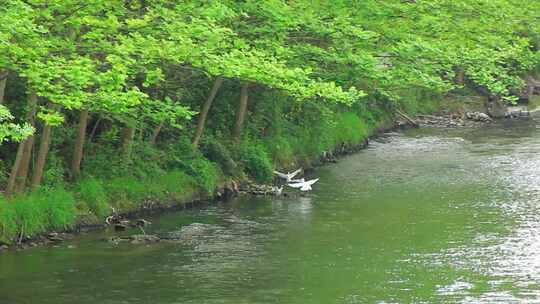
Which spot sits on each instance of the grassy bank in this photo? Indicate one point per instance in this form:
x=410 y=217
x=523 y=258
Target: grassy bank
x=62 y=207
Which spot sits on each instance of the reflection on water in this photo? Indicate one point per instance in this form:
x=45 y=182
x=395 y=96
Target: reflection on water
x=429 y=216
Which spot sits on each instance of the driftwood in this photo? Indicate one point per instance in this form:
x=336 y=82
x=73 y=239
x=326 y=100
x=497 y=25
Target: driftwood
x=408 y=119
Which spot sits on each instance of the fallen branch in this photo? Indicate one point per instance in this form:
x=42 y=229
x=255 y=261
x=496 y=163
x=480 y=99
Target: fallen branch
x=408 y=119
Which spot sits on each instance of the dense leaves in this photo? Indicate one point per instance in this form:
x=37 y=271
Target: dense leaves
x=137 y=72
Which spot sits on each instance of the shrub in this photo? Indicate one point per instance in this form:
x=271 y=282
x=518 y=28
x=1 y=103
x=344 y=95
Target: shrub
x=280 y=149
x=53 y=174
x=8 y=224
x=31 y=213
x=175 y=184
x=60 y=206
x=256 y=162
x=184 y=157
x=218 y=153
x=93 y=193
x=349 y=129
x=205 y=173
x=126 y=189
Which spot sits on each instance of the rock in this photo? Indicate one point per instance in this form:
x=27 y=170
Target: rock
x=57 y=237
x=478 y=116
x=120 y=227
x=135 y=239
x=3 y=247
x=113 y=240
x=517 y=112
x=142 y=223
x=143 y=239
x=495 y=107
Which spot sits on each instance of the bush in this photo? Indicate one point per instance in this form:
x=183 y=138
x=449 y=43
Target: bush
x=219 y=154
x=184 y=157
x=31 y=213
x=60 y=208
x=127 y=189
x=175 y=184
x=8 y=224
x=93 y=194
x=349 y=129
x=281 y=150
x=256 y=162
x=53 y=174
x=36 y=212
x=205 y=173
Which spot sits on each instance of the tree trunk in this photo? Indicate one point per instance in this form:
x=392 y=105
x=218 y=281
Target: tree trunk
x=460 y=76
x=3 y=80
x=14 y=170
x=127 y=141
x=42 y=155
x=78 y=150
x=19 y=171
x=204 y=110
x=240 y=113
x=94 y=129
x=155 y=133
x=24 y=168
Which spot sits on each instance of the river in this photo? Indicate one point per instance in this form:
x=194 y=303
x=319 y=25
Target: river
x=424 y=216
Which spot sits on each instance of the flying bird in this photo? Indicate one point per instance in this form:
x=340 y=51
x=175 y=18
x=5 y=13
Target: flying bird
x=304 y=186
x=301 y=180
x=288 y=176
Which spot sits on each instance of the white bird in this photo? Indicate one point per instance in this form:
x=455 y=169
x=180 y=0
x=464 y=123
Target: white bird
x=301 y=180
x=288 y=176
x=304 y=186
x=277 y=190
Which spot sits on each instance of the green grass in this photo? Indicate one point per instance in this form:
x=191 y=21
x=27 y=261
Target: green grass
x=56 y=208
x=8 y=221
x=92 y=193
x=36 y=212
x=256 y=161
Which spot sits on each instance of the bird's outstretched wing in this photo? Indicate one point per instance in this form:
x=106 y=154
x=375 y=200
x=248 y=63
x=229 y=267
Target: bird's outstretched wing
x=301 y=180
x=303 y=184
x=282 y=175
x=311 y=182
x=295 y=173
x=296 y=185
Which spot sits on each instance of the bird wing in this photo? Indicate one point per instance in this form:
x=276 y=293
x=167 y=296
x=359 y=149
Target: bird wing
x=305 y=188
x=295 y=173
x=296 y=185
x=298 y=180
x=311 y=182
x=282 y=175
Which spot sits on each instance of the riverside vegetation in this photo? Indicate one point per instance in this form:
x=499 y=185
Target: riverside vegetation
x=111 y=103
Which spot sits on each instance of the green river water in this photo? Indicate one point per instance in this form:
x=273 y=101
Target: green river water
x=424 y=216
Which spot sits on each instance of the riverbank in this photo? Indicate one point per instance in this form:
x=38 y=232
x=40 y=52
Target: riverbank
x=50 y=214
